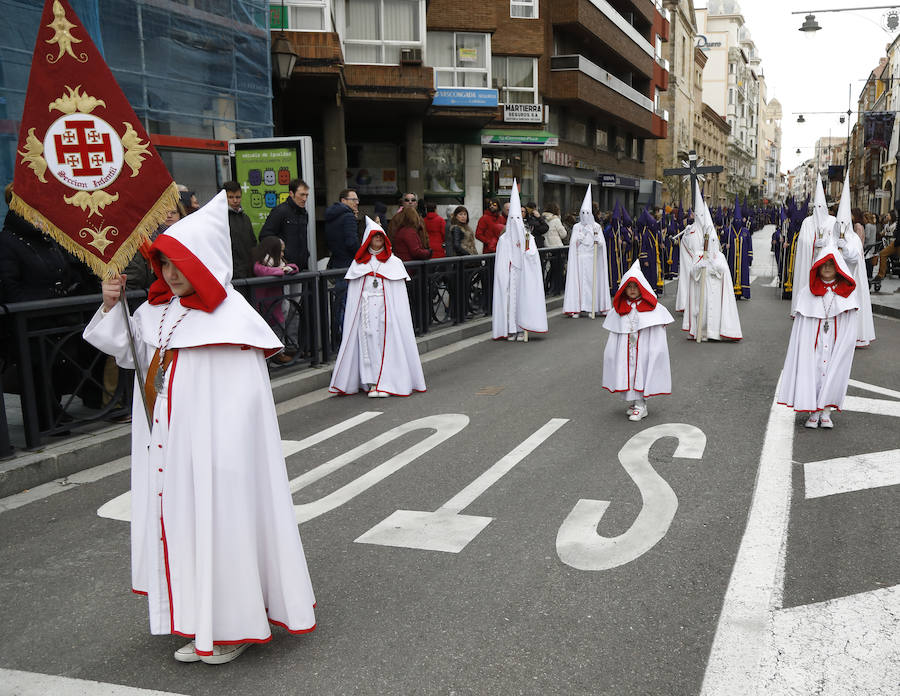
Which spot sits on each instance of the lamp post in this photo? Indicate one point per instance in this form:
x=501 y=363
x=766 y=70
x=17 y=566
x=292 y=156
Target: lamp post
x=283 y=61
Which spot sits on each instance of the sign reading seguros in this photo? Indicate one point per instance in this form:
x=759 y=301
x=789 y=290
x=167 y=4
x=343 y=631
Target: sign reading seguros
x=523 y=113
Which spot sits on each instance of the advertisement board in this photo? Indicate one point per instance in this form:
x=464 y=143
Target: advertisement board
x=264 y=168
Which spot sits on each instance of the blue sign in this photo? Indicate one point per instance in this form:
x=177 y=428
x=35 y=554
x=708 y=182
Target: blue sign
x=465 y=96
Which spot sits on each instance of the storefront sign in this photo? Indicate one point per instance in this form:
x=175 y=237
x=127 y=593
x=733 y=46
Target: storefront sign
x=523 y=113
x=608 y=180
x=468 y=55
x=557 y=157
x=465 y=96
x=616 y=181
x=519 y=138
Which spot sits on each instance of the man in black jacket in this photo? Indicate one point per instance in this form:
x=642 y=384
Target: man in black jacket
x=342 y=229
x=289 y=221
x=242 y=238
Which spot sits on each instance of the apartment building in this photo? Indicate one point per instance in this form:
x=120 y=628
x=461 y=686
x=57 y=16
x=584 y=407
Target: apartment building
x=453 y=99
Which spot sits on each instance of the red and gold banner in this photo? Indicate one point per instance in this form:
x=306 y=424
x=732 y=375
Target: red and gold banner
x=86 y=172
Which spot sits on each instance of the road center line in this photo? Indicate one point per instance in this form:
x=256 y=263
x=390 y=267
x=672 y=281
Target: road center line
x=755 y=587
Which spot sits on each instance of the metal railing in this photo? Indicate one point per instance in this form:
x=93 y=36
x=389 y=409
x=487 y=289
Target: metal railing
x=63 y=383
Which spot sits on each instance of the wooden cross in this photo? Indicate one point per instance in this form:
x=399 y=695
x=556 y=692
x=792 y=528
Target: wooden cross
x=692 y=169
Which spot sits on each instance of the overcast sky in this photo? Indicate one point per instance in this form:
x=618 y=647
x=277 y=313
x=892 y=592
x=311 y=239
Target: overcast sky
x=813 y=73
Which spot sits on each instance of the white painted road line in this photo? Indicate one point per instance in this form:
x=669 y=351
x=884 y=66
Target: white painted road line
x=577 y=542
x=289 y=447
x=16 y=683
x=445 y=426
x=755 y=588
x=848 y=474
x=874 y=388
x=446 y=529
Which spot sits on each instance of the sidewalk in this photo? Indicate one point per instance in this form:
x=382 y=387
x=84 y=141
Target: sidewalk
x=104 y=442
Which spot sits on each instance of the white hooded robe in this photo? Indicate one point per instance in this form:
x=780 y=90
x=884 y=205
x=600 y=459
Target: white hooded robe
x=636 y=358
x=214 y=540
x=378 y=345
x=823 y=338
x=587 y=282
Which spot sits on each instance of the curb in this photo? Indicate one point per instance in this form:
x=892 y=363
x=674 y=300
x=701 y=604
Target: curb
x=29 y=468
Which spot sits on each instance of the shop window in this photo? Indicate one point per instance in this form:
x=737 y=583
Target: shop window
x=515 y=78
x=444 y=173
x=376 y=30
x=372 y=169
x=459 y=59
x=523 y=9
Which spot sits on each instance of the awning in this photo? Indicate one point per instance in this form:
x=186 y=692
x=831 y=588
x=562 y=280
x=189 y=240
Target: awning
x=537 y=139
x=561 y=179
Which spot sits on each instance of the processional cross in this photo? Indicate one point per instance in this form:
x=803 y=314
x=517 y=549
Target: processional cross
x=694 y=169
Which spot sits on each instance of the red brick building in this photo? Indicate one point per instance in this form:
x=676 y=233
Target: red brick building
x=452 y=99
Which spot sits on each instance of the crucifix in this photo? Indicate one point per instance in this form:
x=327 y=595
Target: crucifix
x=694 y=169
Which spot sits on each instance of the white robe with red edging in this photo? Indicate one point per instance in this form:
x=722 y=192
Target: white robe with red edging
x=214 y=539
x=818 y=361
x=395 y=365
x=639 y=367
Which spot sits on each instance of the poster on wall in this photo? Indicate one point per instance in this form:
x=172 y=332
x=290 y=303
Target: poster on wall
x=373 y=180
x=264 y=168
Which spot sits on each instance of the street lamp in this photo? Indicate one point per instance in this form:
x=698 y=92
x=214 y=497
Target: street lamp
x=810 y=24
x=283 y=60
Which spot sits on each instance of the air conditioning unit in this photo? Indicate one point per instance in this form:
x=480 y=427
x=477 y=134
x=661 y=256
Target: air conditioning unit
x=410 y=56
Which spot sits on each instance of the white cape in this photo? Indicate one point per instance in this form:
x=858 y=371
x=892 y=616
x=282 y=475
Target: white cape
x=865 y=329
x=400 y=371
x=520 y=290
x=587 y=257
x=691 y=247
x=214 y=540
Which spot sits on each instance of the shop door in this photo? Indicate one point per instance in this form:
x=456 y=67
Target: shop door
x=497 y=173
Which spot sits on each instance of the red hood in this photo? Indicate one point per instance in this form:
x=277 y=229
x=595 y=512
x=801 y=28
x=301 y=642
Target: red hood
x=843 y=284
x=208 y=291
x=363 y=254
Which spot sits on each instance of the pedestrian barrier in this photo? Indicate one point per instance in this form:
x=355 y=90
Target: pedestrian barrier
x=64 y=384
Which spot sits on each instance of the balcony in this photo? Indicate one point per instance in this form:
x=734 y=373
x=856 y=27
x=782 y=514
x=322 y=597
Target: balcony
x=319 y=53
x=397 y=83
x=598 y=23
x=577 y=80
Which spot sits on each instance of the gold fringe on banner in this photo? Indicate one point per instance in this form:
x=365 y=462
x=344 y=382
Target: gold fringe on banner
x=140 y=234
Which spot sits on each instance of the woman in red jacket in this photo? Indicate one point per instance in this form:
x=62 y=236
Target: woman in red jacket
x=410 y=240
x=436 y=226
x=489 y=228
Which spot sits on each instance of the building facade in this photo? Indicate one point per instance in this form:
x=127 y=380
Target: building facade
x=454 y=99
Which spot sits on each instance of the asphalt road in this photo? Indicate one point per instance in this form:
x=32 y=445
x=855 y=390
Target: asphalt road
x=538 y=587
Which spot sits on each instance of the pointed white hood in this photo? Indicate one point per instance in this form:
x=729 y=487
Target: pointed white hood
x=704 y=221
x=383 y=264
x=649 y=311
x=586 y=214
x=515 y=228
x=812 y=301
x=200 y=246
x=844 y=225
x=820 y=205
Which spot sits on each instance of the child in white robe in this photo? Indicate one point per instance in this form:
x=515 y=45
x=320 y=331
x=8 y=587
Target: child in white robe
x=214 y=540
x=378 y=350
x=636 y=359
x=820 y=353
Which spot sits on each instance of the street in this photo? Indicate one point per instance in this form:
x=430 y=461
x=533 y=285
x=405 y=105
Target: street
x=511 y=532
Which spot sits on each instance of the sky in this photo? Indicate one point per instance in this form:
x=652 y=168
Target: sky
x=814 y=73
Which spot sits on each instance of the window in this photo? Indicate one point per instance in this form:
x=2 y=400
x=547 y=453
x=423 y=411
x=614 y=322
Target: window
x=302 y=15
x=376 y=30
x=731 y=68
x=515 y=78
x=601 y=140
x=730 y=96
x=459 y=59
x=523 y=9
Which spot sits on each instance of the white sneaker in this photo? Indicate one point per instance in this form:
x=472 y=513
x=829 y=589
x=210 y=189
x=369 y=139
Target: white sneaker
x=187 y=653
x=380 y=394
x=639 y=412
x=511 y=337
x=825 y=421
x=812 y=421
x=575 y=315
x=629 y=410
x=373 y=393
x=520 y=336
x=224 y=653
